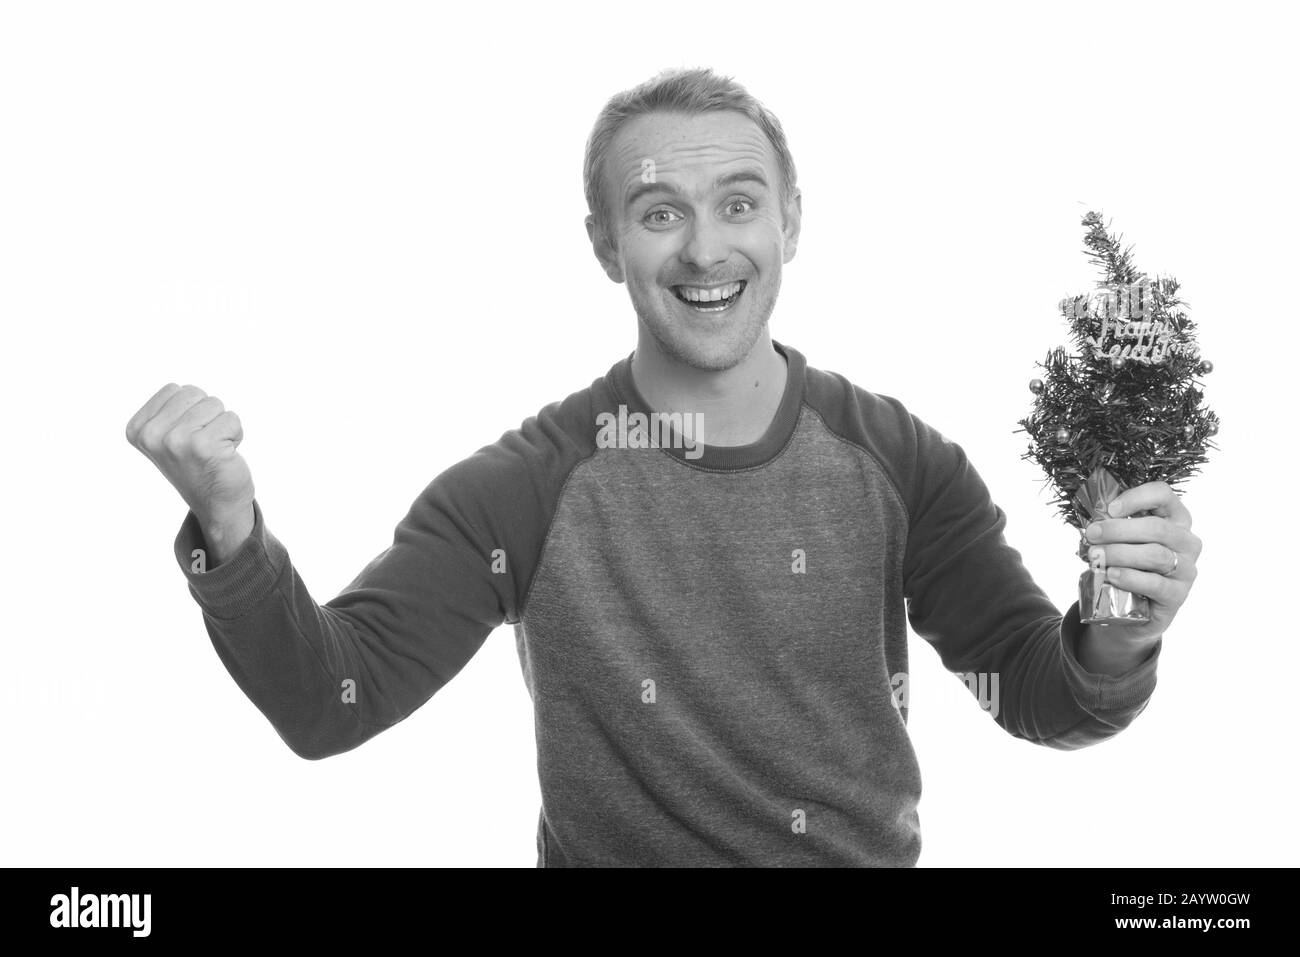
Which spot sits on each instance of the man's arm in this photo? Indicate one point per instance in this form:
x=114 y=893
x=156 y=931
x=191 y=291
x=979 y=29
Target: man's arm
x=330 y=676
x=1103 y=652
x=970 y=596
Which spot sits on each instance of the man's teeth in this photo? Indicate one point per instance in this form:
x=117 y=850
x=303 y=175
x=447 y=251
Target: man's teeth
x=695 y=294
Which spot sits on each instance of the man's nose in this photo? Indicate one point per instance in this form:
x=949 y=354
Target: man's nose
x=706 y=244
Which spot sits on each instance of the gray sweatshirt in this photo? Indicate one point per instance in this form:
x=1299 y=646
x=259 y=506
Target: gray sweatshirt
x=714 y=638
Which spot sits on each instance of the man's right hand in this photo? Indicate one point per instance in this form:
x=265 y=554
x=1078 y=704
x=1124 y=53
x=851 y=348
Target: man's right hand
x=192 y=439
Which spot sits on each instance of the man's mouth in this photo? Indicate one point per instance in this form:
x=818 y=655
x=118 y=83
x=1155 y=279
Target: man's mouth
x=711 y=298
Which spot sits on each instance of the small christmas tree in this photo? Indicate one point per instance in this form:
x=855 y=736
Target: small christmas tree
x=1124 y=408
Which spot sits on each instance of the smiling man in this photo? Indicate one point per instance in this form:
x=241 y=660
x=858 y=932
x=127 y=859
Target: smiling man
x=714 y=634
x=705 y=214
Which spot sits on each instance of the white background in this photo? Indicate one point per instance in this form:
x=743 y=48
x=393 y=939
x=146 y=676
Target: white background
x=360 y=225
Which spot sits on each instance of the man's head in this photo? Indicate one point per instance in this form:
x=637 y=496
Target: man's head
x=692 y=195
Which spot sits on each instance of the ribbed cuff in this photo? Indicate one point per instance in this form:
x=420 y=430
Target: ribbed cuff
x=1104 y=694
x=238 y=584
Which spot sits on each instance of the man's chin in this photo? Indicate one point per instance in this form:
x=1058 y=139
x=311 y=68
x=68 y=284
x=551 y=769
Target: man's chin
x=706 y=350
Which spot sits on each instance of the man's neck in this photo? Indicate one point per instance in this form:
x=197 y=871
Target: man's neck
x=738 y=404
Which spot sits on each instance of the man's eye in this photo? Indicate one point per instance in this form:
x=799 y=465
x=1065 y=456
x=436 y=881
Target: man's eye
x=660 y=217
x=744 y=204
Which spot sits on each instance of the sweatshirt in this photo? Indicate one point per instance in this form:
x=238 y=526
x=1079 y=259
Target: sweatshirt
x=714 y=638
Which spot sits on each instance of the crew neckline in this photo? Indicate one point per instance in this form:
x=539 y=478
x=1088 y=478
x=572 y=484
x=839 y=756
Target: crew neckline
x=726 y=457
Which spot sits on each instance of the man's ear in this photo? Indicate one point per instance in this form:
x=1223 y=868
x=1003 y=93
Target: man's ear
x=605 y=253
x=792 y=220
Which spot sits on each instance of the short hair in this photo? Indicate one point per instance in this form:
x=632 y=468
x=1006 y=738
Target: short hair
x=683 y=90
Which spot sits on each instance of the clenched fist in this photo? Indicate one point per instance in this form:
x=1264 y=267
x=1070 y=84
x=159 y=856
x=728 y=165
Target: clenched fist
x=192 y=439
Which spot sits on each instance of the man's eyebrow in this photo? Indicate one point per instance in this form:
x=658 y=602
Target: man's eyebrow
x=730 y=179
x=742 y=176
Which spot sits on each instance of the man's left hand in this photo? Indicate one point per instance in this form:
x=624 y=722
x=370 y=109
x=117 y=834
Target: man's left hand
x=1149 y=554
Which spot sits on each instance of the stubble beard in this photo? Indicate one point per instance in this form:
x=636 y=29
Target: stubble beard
x=740 y=342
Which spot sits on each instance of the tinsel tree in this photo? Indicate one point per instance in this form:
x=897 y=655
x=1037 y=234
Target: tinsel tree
x=1123 y=406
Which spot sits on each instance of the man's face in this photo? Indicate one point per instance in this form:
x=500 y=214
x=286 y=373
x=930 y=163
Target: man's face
x=695 y=213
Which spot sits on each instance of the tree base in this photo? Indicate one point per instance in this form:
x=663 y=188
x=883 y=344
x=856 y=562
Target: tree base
x=1101 y=603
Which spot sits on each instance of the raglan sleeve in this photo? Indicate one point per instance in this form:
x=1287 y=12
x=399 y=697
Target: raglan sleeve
x=330 y=676
x=970 y=596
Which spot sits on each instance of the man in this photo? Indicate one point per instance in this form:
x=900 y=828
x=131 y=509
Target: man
x=711 y=623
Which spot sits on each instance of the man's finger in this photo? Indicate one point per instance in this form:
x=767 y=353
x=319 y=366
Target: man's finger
x=200 y=414
x=1144 y=528
x=1155 y=497
x=1159 y=588
x=226 y=427
x=150 y=409
x=1150 y=557
x=152 y=432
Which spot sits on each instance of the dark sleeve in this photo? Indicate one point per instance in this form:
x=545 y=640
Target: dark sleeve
x=330 y=676
x=970 y=596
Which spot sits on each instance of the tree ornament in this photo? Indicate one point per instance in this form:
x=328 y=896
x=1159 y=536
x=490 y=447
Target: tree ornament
x=1113 y=412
